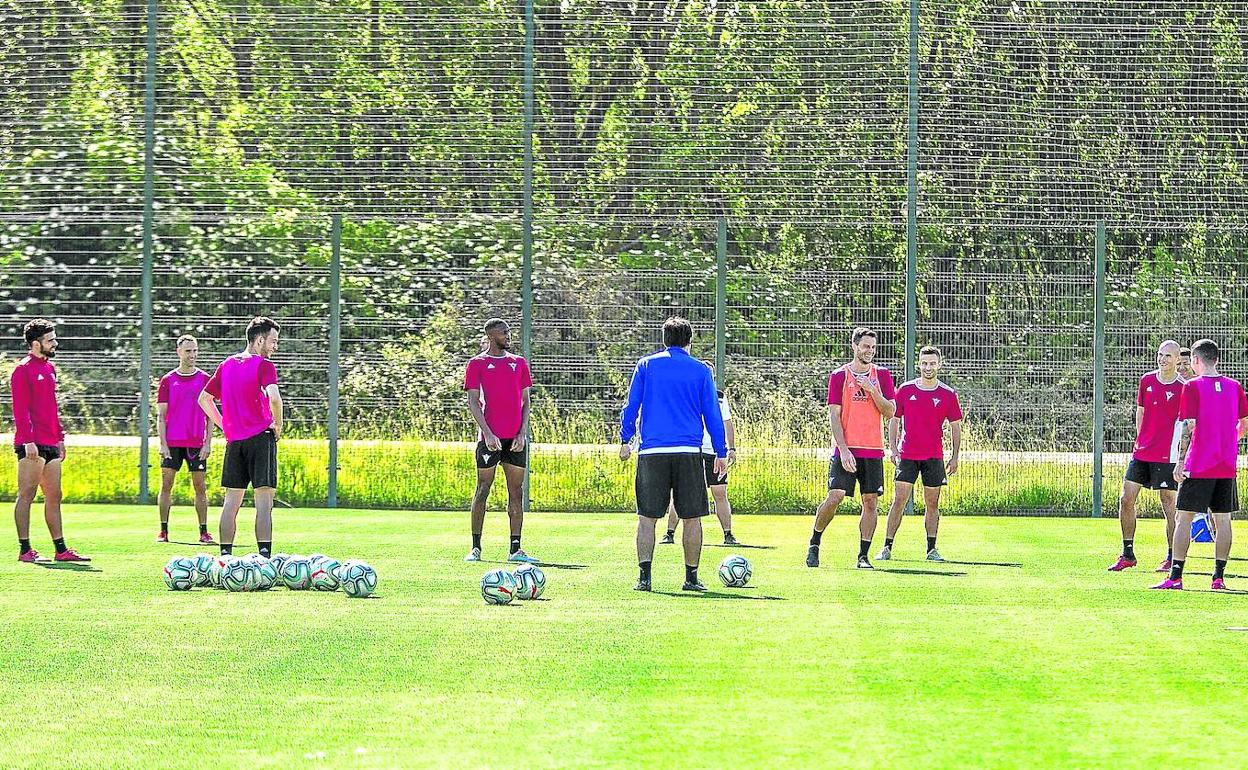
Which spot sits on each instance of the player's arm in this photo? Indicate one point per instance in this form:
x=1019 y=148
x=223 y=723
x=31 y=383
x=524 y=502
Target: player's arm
x=275 y=407
x=730 y=432
x=209 y=405
x=631 y=411
x=883 y=403
x=1185 y=439
x=894 y=431
x=523 y=436
x=713 y=419
x=23 y=425
x=474 y=406
x=1139 y=420
x=955 y=441
x=162 y=409
x=848 y=462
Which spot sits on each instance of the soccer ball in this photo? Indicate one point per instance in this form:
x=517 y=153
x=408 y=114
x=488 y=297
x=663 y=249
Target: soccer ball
x=215 y=569
x=324 y=578
x=530 y=581
x=236 y=575
x=278 y=559
x=735 y=571
x=498 y=587
x=180 y=573
x=358 y=579
x=266 y=573
x=203 y=568
x=297 y=574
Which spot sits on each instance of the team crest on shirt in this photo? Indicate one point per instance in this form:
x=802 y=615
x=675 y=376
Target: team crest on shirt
x=513 y=366
x=1169 y=394
x=935 y=401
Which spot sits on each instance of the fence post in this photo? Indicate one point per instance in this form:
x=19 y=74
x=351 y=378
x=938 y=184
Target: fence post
x=912 y=197
x=335 y=346
x=1098 y=376
x=145 y=299
x=526 y=217
x=721 y=299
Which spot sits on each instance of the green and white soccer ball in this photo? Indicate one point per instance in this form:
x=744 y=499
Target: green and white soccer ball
x=236 y=575
x=203 y=567
x=324 y=577
x=266 y=573
x=180 y=573
x=498 y=587
x=530 y=581
x=278 y=559
x=297 y=574
x=216 y=569
x=358 y=579
x=735 y=571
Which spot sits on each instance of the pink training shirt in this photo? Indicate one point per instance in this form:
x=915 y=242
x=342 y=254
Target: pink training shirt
x=186 y=425
x=923 y=414
x=836 y=389
x=239 y=384
x=1217 y=404
x=35 y=414
x=1158 y=441
x=501 y=380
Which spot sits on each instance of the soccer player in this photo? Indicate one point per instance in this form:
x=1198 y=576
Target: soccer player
x=498 y=384
x=1185 y=364
x=673 y=394
x=718 y=484
x=38 y=441
x=861 y=398
x=184 y=436
x=923 y=407
x=1157 y=429
x=251 y=418
x=1215 y=411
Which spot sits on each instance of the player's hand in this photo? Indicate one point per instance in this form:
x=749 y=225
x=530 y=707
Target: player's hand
x=517 y=443
x=32 y=450
x=867 y=384
x=205 y=450
x=732 y=457
x=626 y=451
x=1179 y=473
x=848 y=461
x=164 y=451
x=895 y=456
x=492 y=442
x=277 y=431
x=721 y=467
x=951 y=467
x=60 y=447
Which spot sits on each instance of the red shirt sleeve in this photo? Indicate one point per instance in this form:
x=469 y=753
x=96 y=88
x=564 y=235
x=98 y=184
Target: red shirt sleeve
x=836 y=384
x=526 y=377
x=213 y=388
x=268 y=373
x=472 y=375
x=955 y=409
x=901 y=400
x=1139 y=393
x=1243 y=403
x=162 y=393
x=24 y=427
x=1189 y=402
x=888 y=389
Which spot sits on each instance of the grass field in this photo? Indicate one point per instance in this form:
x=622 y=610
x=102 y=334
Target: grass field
x=1022 y=653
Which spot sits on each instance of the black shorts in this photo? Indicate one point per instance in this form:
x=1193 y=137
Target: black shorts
x=933 y=472
x=178 y=454
x=712 y=480
x=678 y=478
x=250 y=461
x=1212 y=495
x=1152 y=475
x=488 y=459
x=869 y=476
x=48 y=453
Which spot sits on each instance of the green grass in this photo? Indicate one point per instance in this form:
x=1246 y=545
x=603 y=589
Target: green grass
x=428 y=476
x=1054 y=663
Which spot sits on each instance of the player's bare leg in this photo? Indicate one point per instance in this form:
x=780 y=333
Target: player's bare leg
x=229 y=518
x=669 y=537
x=1221 y=549
x=866 y=528
x=823 y=517
x=50 y=483
x=1182 y=539
x=691 y=541
x=1169 y=500
x=200 y=485
x=723 y=512
x=264 y=519
x=480 y=496
x=514 y=475
x=29 y=471
x=896 y=511
x=164 y=502
x=1126 y=520
x=931 y=520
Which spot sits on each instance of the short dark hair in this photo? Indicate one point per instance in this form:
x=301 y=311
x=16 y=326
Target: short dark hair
x=186 y=338
x=493 y=323
x=1207 y=350
x=36 y=328
x=259 y=327
x=930 y=350
x=677 y=332
x=1185 y=352
x=861 y=332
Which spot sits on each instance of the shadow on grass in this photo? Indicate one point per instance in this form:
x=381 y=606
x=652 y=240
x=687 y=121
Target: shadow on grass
x=68 y=566
x=197 y=544
x=1211 y=558
x=542 y=564
x=1015 y=565
x=1228 y=575
x=719 y=595
x=1229 y=591
x=740 y=545
x=919 y=572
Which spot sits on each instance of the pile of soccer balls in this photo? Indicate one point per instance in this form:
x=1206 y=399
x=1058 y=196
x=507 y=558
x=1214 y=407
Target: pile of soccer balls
x=500 y=586
x=254 y=572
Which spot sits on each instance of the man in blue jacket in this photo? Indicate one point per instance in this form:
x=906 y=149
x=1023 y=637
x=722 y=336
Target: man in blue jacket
x=674 y=395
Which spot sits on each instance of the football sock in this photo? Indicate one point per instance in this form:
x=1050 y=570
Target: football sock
x=1128 y=549
x=931 y=544
x=164 y=527
x=22 y=546
x=515 y=543
x=203 y=529
x=727 y=533
x=1169 y=554
x=227 y=549
x=645 y=570
x=1219 y=568
x=863 y=547
x=1176 y=569
x=265 y=547
x=476 y=541
x=815 y=537
x=671 y=533
x=691 y=574
x=59 y=543
x=888 y=542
